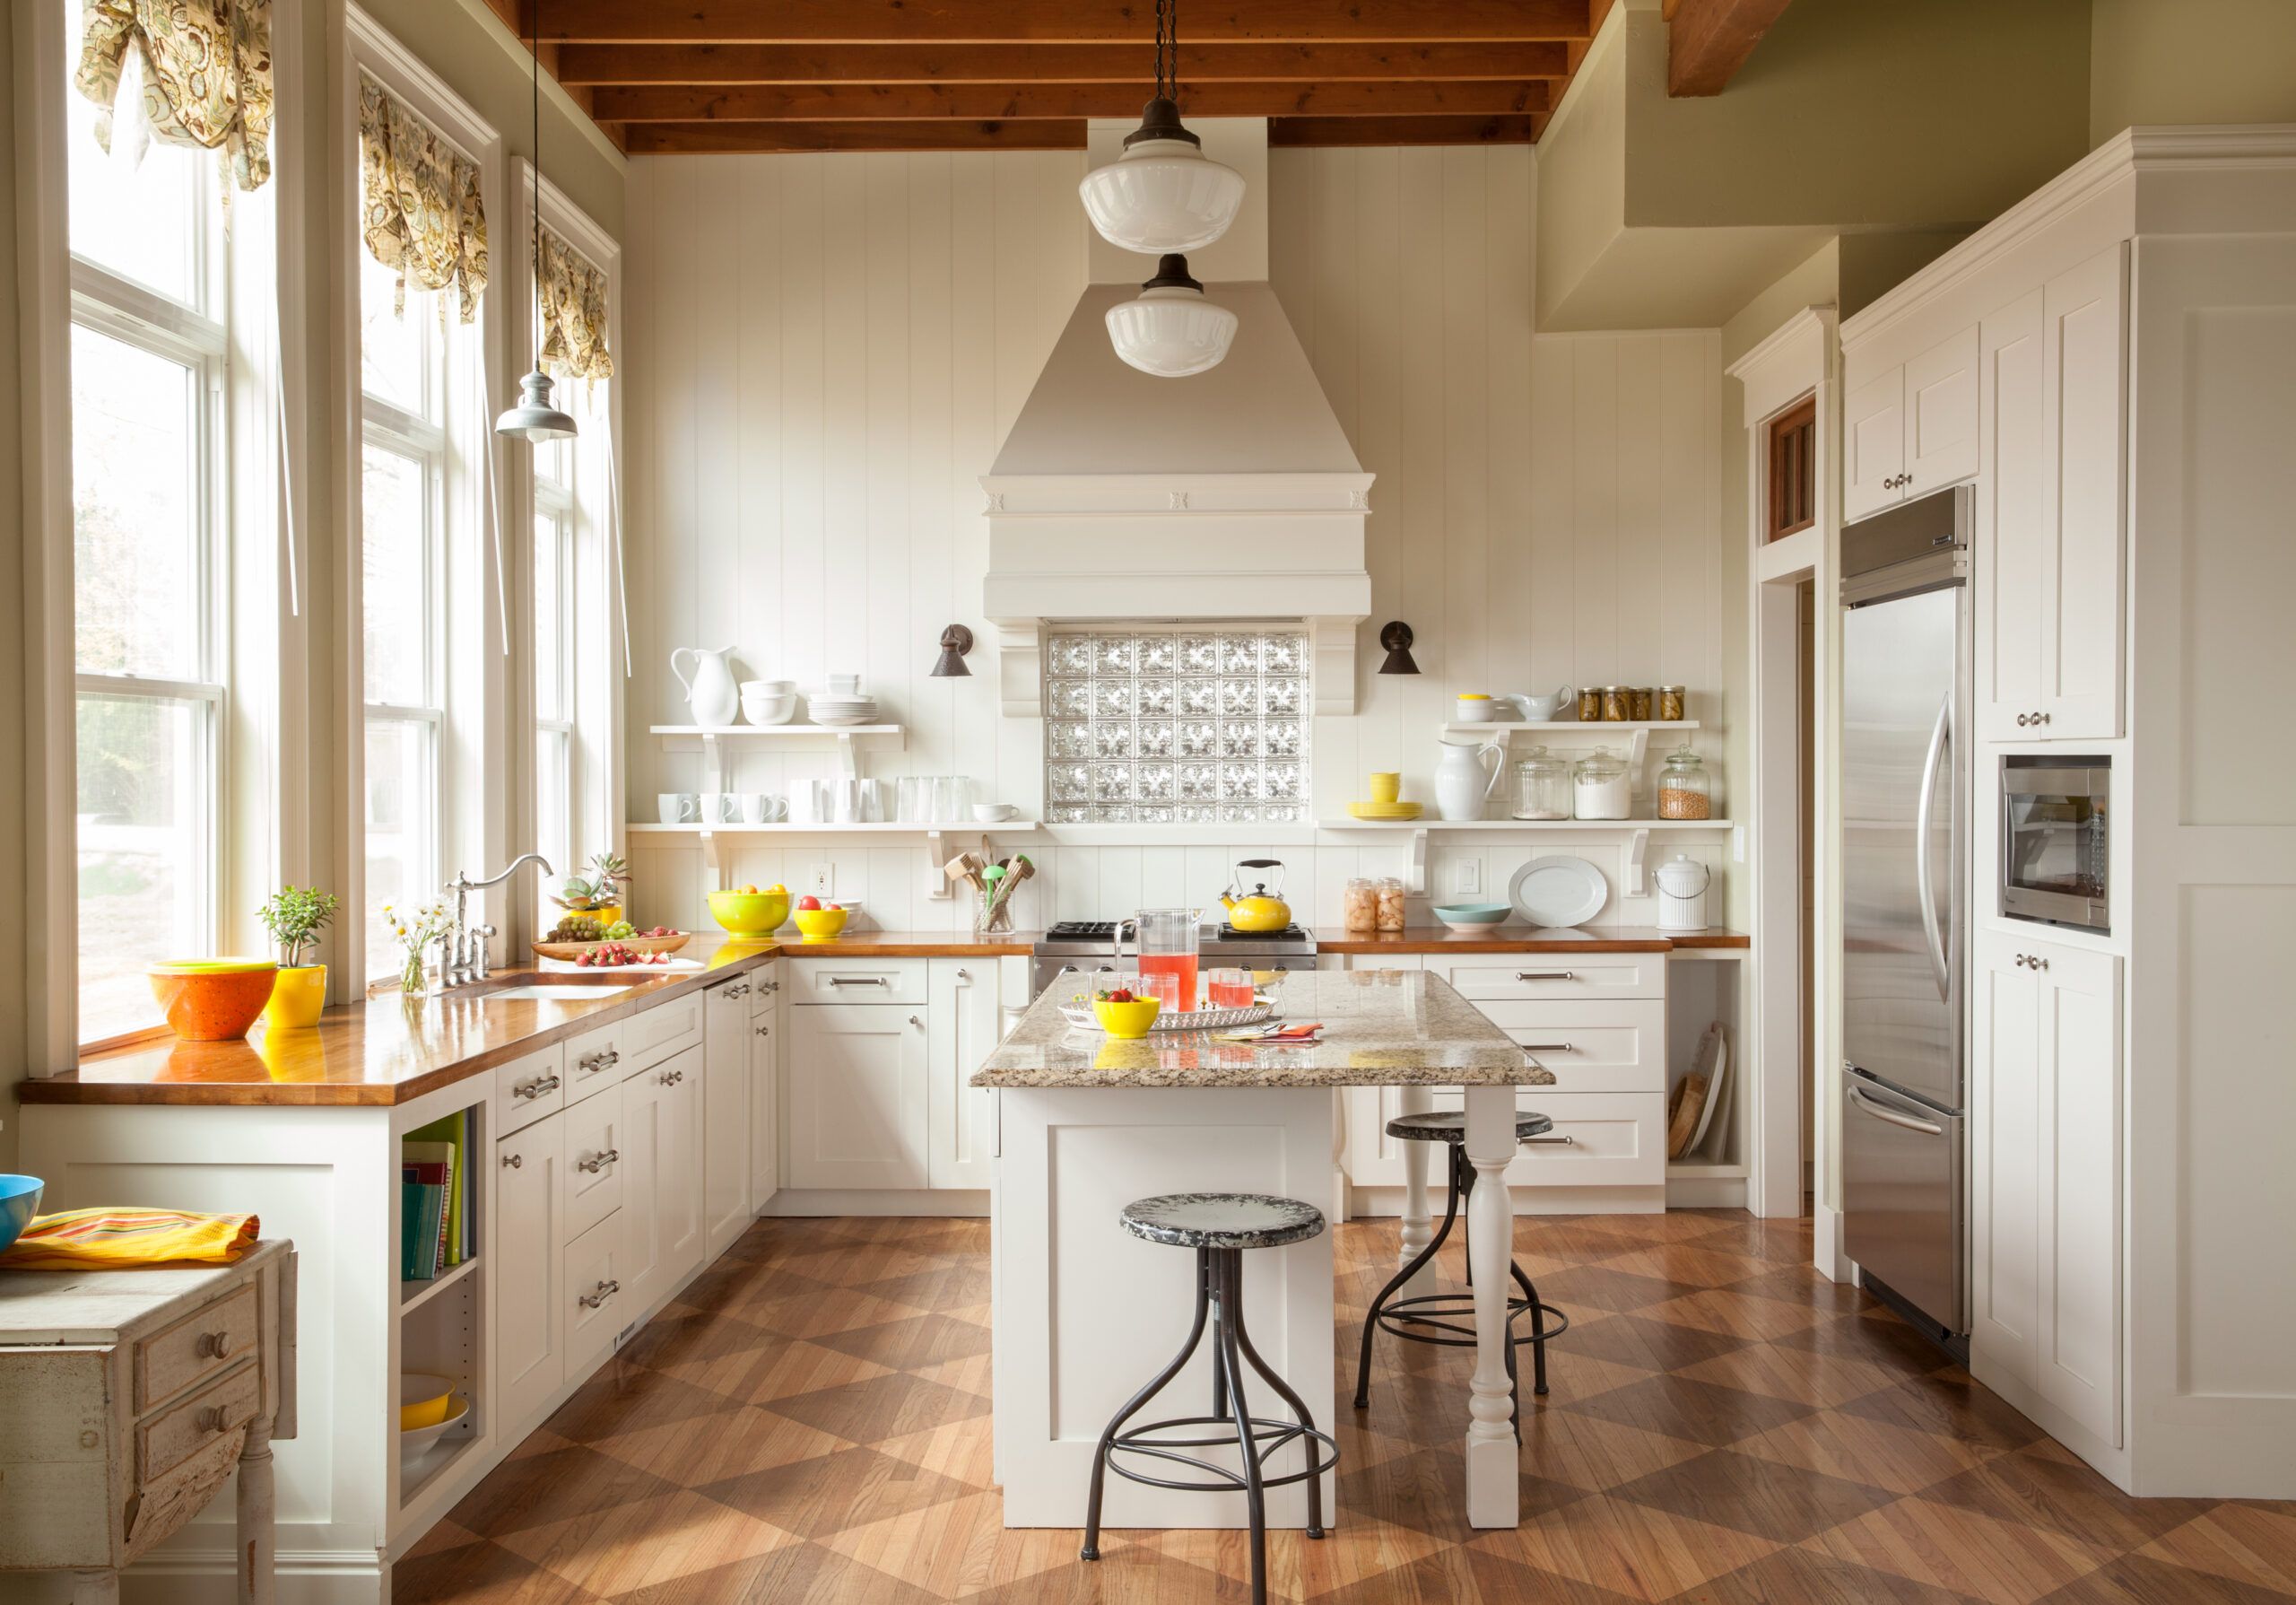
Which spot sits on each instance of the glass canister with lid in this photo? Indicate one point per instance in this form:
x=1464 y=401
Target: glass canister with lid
x=1390 y=903
x=1359 y=905
x=1541 y=786
x=1684 y=786
x=1600 y=786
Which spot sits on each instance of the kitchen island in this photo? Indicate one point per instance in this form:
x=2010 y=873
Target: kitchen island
x=1085 y=1313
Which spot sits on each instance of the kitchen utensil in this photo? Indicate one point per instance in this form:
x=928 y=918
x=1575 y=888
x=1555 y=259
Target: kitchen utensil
x=819 y=925
x=678 y=807
x=1682 y=881
x=749 y=913
x=214 y=1000
x=1467 y=776
x=1541 y=786
x=1539 y=709
x=1714 y=1058
x=1166 y=941
x=1394 y=810
x=19 y=1205
x=1558 y=890
x=1259 y=909
x=1600 y=786
x=1474 y=708
x=424 y=1400
x=1473 y=916
x=1386 y=787
x=710 y=693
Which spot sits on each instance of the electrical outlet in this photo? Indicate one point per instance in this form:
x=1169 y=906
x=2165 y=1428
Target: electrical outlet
x=1467 y=878
x=824 y=880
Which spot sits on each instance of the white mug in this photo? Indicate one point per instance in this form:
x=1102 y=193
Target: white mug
x=679 y=808
x=762 y=807
x=805 y=802
x=721 y=807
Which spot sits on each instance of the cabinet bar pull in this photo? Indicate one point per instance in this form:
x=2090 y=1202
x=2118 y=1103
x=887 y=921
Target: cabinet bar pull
x=1548 y=1048
x=1546 y=975
x=598 y=1162
x=858 y=981
x=1564 y=1142
x=604 y=1291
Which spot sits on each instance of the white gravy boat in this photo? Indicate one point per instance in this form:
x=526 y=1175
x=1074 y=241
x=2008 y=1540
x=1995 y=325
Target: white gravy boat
x=1538 y=710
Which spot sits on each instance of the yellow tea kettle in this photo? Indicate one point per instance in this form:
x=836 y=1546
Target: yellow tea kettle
x=1260 y=909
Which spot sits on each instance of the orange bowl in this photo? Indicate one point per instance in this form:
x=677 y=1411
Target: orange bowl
x=212 y=999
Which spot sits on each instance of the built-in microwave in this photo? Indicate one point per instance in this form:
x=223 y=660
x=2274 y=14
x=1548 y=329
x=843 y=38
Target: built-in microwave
x=2056 y=840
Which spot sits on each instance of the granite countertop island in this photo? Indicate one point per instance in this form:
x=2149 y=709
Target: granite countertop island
x=1381 y=1028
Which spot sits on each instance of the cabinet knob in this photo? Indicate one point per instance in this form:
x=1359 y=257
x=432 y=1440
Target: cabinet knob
x=210 y=1419
x=514 y=1161
x=2023 y=720
x=211 y=1346
x=916 y=1021
x=965 y=976
x=2041 y=719
x=765 y=1031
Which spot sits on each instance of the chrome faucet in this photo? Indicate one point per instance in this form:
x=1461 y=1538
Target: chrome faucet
x=464 y=958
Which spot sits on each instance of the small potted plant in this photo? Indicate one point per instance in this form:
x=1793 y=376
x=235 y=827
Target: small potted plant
x=597 y=892
x=295 y=916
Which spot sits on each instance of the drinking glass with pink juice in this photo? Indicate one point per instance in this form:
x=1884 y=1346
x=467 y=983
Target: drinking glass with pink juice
x=1167 y=939
x=1228 y=989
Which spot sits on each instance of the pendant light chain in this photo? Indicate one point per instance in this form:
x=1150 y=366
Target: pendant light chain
x=537 y=47
x=1168 y=50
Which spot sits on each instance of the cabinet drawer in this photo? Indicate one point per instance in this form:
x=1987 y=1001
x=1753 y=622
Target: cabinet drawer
x=528 y=1088
x=1562 y=975
x=1592 y=1047
x=596 y=1308
x=594 y=1062
x=177 y=1434
x=886 y=981
x=654 y=1034
x=200 y=1344
x=1599 y=1139
x=591 y=1160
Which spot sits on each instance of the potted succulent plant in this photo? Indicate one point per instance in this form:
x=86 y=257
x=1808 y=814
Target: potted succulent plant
x=295 y=916
x=597 y=891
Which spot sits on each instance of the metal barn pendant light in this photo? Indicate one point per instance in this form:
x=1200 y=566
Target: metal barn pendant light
x=533 y=418
x=1163 y=194
x=1168 y=329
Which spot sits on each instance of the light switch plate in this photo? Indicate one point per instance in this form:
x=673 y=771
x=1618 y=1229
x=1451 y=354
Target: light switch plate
x=1467 y=878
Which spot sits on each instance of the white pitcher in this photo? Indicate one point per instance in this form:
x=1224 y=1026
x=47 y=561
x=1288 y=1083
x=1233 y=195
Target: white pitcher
x=711 y=693
x=1463 y=781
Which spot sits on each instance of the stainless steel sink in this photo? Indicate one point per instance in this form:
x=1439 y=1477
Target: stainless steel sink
x=558 y=992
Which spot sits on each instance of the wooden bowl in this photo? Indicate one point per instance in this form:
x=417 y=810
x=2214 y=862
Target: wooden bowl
x=573 y=950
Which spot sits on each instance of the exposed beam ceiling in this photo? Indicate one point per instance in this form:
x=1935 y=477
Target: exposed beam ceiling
x=729 y=75
x=1709 y=40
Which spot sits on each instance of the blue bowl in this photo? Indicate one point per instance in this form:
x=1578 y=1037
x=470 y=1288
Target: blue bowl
x=19 y=1202
x=1470 y=916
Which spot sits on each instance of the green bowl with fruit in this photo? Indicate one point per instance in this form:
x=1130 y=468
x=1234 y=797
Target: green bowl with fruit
x=748 y=912
x=1124 y=1014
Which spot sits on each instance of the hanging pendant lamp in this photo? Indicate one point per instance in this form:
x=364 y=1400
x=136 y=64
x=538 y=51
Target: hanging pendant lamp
x=1168 y=329
x=1163 y=194
x=533 y=418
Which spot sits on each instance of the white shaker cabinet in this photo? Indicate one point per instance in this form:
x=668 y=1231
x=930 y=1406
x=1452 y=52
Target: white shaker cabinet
x=1911 y=428
x=2046 y=1172
x=857 y=1080
x=2010 y=558
x=765 y=1089
x=662 y=1182
x=530 y=1318
x=963 y=1024
x=726 y=1089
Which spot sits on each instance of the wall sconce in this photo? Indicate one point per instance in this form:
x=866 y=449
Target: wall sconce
x=1396 y=638
x=956 y=640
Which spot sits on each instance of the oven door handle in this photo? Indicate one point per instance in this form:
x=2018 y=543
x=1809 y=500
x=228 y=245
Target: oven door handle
x=1924 y=889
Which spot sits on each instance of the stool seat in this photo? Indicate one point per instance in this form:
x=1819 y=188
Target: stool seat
x=1450 y=1125
x=1231 y=1220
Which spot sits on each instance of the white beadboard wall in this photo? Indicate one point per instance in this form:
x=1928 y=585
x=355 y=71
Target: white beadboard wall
x=825 y=352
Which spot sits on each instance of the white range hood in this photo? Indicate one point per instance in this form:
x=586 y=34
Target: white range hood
x=1229 y=494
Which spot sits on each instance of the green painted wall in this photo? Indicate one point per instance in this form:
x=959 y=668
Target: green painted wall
x=2190 y=61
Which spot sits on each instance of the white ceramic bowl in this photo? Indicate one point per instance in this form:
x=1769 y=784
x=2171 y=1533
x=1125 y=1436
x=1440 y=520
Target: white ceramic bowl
x=769 y=687
x=768 y=709
x=992 y=813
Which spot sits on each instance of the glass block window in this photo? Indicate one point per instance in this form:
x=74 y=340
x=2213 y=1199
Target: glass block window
x=1157 y=727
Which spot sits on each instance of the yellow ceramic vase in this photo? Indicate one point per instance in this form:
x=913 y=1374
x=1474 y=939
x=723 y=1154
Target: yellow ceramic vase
x=298 y=997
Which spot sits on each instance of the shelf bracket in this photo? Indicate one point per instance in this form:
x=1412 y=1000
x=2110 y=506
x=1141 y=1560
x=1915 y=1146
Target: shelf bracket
x=1415 y=879
x=713 y=860
x=848 y=762
x=1638 y=855
x=713 y=773
x=940 y=847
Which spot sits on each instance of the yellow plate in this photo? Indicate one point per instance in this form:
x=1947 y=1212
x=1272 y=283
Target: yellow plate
x=1401 y=810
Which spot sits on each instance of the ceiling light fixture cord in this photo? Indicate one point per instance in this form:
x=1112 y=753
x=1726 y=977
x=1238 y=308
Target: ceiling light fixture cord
x=1168 y=50
x=535 y=45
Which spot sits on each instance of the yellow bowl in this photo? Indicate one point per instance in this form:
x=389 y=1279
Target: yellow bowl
x=821 y=924
x=749 y=913
x=1126 y=1021
x=424 y=1400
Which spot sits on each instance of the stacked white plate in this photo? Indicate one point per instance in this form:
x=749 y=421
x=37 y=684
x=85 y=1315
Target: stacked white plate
x=842 y=708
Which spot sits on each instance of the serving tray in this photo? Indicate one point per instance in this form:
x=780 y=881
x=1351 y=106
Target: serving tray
x=1081 y=1016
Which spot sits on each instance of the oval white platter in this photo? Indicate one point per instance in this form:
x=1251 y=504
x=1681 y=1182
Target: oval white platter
x=1558 y=890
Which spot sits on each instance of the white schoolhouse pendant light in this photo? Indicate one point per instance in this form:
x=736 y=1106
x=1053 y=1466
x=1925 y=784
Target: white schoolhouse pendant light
x=1168 y=329
x=533 y=418
x=1163 y=194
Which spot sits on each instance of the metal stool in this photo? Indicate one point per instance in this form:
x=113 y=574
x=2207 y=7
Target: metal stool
x=1421 y=1317
x=1219 y=1227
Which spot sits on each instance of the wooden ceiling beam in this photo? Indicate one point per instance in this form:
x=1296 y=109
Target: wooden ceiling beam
x=857 y=102
x=1125 y=64
x=1055 y=21
x=1709 y=40
x=1405 y=130
x=1034 y=134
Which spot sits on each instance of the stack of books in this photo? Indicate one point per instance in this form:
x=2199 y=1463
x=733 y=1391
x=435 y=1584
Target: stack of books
x=438 y=1229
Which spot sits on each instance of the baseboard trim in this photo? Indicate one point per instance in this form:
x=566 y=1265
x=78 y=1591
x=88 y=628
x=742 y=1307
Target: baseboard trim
x=192 y=1576
x=801 y=1202
x=1825 y=1246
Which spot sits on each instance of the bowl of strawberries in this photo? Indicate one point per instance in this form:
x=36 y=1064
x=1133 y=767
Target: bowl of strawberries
x=1125 y=1013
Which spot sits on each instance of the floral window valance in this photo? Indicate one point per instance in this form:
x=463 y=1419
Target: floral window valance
x=572 y=295
x=423 y=216
x=202 y=68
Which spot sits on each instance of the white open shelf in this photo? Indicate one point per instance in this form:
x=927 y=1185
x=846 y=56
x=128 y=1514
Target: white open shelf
x=1008 y=827
x=1352 y=823
x=788 y=734
x=1566 y=727
x=414 y=1295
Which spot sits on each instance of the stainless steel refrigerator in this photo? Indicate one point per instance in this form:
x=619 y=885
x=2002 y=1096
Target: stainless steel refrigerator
x=1905 y=635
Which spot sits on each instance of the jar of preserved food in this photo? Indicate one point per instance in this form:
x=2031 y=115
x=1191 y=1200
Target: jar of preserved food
x=1618 y=704
x=1390 y=901
x=1639 y=702
x=1674 y=701
x=1590 y=704
x=1541 y=786
x=1600 y=786
x=1683 y=785
x=1359 y=905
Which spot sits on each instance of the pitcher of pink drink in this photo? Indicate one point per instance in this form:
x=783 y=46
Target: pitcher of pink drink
x=1166 y=940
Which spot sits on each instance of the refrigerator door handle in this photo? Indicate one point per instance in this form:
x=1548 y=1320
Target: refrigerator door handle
x=1892 y=1116
x=1924 y=886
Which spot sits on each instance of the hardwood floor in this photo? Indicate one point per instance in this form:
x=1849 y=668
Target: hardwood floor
x=810 y=1423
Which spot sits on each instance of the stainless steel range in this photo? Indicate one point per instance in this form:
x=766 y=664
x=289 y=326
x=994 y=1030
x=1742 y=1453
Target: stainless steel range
x=1084 y=946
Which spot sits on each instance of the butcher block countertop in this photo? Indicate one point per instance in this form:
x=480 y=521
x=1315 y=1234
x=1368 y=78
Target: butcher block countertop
x=391 y=1051
x=1523 y=939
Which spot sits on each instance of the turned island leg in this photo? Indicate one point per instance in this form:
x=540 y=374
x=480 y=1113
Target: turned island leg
x=1418 y=1222
x=257 y=1517
x=1493 y=1457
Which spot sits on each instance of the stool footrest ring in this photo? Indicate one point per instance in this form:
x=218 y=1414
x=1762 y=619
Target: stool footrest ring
x=1399 y=1317
x=1275 y=1434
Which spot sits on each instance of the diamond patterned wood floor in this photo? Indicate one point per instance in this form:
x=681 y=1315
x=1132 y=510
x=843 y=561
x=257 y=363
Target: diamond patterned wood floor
x=809 y=1423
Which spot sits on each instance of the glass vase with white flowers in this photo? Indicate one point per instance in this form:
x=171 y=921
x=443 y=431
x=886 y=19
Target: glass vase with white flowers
x=418 y=932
